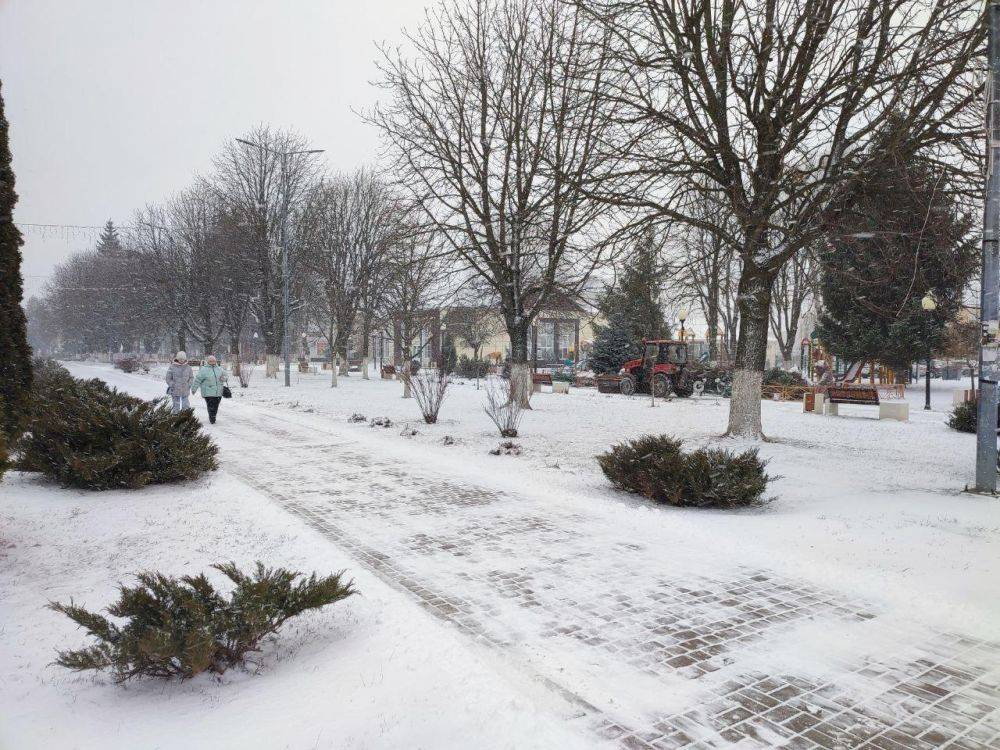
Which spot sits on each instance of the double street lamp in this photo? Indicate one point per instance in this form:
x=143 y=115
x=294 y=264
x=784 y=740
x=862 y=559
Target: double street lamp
x=285 y=272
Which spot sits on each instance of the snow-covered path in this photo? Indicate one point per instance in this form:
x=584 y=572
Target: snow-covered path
x=655 y=636
x=658 y=634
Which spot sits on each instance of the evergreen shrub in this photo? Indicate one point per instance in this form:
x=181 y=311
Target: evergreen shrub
x=85 y=434
x=964 y=417
x=655 y=467
x=183 y=627
x=472 y=368
x=777 y=376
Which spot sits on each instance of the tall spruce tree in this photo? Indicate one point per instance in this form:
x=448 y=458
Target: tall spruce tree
x=632 y=308
x=15 y=355
x=894 y=234
x=614 y=345
x=109 y=243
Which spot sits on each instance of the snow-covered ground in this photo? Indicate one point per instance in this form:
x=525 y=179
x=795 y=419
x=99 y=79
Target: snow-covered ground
x=472 y=565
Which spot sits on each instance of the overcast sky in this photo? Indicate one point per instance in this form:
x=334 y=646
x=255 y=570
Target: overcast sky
x=116 y=103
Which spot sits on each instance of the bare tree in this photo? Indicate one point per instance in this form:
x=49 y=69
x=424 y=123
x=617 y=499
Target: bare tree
x=493 y=125
x=346 y=228
x=793 y=290
x=198 y=263
x=416 y=285
x=765 y=104
x=263 y=186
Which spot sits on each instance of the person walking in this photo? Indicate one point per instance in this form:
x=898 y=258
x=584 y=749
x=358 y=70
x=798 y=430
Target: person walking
x=179 y=378
x=212 y=381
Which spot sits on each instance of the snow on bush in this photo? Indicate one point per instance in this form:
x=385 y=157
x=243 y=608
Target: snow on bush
x=964 y=417
x=183 y=627
x=429 y=388
x=84 y=434
x=655 y=466
x=501 y=406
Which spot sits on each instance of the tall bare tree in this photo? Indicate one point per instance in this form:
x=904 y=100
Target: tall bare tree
x=493 y=123
x=263 y=180
x=762 y=104
x=416 y=288
x=347 y=226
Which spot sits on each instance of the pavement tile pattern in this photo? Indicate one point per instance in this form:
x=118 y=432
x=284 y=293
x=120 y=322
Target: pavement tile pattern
x=552 y=590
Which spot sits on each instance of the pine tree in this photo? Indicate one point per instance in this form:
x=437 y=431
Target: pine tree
x=109 y=243
x=636 y=295
x=614 y=344
x=15 y=356
x=894 y=235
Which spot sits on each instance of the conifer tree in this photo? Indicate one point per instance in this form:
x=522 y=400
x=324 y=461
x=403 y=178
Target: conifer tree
x=894 y=235
x=15 y=356
x=614 y=344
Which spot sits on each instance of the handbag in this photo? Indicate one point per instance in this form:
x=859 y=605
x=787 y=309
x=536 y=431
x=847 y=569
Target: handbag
x=226 y=393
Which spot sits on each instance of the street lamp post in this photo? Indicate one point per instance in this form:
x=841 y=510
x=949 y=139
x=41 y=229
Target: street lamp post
x=682 y=316
x=441 y=343
x=285 y=272
x=929 y=305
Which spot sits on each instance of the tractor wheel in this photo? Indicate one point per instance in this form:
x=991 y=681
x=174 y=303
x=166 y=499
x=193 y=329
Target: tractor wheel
x=662 y=386
x=627 y=385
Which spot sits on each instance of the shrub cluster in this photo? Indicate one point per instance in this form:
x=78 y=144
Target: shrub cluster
x=182 y=627
x=964 y=417
x=777 y=376
x=127 y=365
x=655 y=466
x=85 y=434
x=472 y=368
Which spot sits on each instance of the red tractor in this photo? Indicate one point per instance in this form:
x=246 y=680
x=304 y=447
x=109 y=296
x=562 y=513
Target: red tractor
x=663 y=368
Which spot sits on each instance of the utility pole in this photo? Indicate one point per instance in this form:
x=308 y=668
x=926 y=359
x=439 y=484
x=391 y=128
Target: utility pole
x=989 y=302
x=286 y=316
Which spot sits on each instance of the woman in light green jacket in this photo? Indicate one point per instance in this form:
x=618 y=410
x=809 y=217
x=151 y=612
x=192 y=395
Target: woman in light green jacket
x=211 y=379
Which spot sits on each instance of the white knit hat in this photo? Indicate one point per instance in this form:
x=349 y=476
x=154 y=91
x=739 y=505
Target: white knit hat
x=181 y=357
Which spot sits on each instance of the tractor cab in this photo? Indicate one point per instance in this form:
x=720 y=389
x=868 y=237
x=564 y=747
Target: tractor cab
x=661 y=369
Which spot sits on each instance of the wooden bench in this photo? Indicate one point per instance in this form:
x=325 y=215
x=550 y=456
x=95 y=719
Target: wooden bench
x=862 y=395
x=388 y=372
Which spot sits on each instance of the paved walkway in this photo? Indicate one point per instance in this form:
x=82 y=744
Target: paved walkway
x=657 y=644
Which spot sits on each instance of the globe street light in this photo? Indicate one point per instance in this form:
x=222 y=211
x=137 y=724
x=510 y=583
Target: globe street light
x=682 y=316
x=929 y=305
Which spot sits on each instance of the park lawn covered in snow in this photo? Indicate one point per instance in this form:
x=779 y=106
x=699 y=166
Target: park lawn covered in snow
x=872 y=510
x=373 y=671
x=873 y=506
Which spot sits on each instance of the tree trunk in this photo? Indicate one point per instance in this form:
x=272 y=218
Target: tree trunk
x=754 y=301
x=234 y=354
x=364 y=367
x=181 y=340
x=407 y=393
x=713 y=329
x=520 y=370
x=271 y=368
x=333 y=357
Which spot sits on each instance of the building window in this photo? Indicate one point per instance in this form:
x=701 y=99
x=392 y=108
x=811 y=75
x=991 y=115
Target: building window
x=546 y=341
